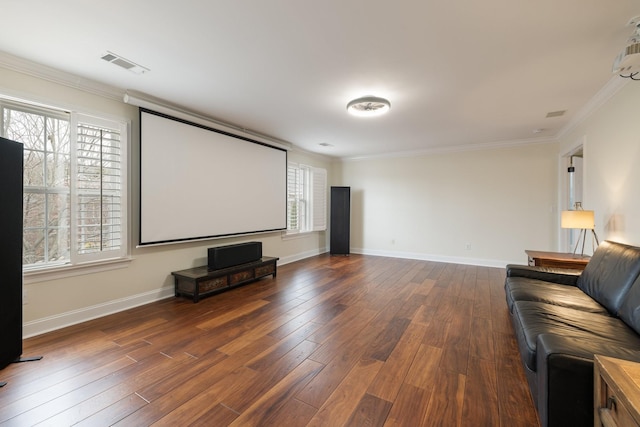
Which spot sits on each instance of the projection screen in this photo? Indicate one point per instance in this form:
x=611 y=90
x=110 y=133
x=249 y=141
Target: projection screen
x=197 y=182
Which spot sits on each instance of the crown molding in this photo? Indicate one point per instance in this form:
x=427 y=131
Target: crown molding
x=612 y=87
x=24 y=66
x=319 y=156
x=456 y=149
x=150 y=102
x=54 y=75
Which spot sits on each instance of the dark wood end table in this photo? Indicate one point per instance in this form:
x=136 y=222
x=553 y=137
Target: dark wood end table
x=557 y=259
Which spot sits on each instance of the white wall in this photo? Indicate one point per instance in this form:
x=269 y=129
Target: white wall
x=498 y=201
x=55 y=303
x=612 y=164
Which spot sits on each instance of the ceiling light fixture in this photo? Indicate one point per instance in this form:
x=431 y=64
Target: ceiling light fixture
x=368 y=106
x=627 y=63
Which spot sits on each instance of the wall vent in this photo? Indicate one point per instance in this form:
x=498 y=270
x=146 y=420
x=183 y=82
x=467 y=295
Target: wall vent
x=556 y=113
x=124 y=63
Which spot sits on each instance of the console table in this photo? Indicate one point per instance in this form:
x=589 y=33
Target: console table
x=200 y=281
x=557 y=259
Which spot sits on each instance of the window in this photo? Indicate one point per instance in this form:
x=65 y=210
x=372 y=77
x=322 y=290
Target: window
x=99 y=190
x=74 y=185
x=306 y=199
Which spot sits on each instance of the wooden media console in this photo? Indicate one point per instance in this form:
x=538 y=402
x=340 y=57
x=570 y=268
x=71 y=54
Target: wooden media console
x=201 y=281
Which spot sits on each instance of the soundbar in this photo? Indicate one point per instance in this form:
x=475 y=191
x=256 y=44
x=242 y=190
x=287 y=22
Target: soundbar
x=232 y=255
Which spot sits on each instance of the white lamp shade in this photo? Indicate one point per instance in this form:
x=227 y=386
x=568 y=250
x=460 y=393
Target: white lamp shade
x=577 y=219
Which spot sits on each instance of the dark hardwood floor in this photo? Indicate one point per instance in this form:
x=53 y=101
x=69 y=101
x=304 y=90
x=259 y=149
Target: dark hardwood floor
x=332 y=341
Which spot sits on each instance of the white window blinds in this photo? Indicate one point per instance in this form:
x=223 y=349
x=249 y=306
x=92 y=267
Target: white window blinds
x=319 y=199
x=306 y=198
x=99 y=189
x=75 y=200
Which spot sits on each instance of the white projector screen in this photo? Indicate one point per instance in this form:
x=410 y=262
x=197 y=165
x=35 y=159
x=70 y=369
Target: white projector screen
x=197 y=182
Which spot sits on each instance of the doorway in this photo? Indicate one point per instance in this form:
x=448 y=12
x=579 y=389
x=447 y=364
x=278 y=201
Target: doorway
x=572 y=194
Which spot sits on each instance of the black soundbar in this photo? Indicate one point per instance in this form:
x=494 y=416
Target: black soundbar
x=231 y=255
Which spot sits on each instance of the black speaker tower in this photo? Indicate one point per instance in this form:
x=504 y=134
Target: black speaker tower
x=10 y=251
x=11 y=164
x=339 y=240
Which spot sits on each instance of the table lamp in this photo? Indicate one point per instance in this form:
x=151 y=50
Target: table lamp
x=582 y=220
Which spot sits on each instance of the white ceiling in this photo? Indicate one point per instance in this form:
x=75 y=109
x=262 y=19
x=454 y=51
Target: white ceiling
x=458 y=73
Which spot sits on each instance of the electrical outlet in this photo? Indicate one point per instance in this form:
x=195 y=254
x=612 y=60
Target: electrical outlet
x=467 y=246
x=24 y=297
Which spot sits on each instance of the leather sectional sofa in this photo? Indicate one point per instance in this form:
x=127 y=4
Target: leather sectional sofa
x=563 y=317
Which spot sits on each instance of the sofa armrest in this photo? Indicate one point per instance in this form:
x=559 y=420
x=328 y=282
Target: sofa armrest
x=565 y=377
x=561 y=276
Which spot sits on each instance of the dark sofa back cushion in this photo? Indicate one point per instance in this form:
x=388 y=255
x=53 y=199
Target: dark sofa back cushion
x=630 y=309
x=612 y=270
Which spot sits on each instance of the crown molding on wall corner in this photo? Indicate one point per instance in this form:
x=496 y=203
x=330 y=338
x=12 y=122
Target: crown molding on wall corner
x=64 y=78
x=320 y=156
x=54 y=75
x=613 y=86
x=150 y=102
x=456 y=149
x=24 y=66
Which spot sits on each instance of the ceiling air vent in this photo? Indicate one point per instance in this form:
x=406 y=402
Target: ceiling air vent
x=124 y=63
x=556 y=113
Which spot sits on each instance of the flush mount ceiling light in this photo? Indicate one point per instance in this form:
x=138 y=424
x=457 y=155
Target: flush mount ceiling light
x=627 y=63
x=368 y=106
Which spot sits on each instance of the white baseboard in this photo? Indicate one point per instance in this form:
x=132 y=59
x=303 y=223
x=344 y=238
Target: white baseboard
x=301 y=256
x=59 y=321
x=481 y=262
x=62 y=320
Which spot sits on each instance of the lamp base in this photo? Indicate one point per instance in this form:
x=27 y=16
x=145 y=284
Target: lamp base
x=583 y=236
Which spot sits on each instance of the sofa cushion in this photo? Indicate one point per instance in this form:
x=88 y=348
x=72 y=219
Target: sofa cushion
x=630 y=309
x=532 y=318
x=549 y=345
x=610 y=273
x=562 y=276
x=524 y=289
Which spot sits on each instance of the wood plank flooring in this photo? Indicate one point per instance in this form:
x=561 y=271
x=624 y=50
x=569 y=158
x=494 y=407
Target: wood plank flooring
x=332 y=341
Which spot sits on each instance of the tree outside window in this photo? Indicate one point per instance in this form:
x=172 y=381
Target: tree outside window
x=73 y=197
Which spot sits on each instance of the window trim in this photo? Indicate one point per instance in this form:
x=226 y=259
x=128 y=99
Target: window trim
x=62 y=271
x=76 y=119
x=318 y=186
x=80 y=264
x=312 y=177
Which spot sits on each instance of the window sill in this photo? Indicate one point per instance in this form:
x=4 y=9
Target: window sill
x=60 y=272
x=298 y=235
